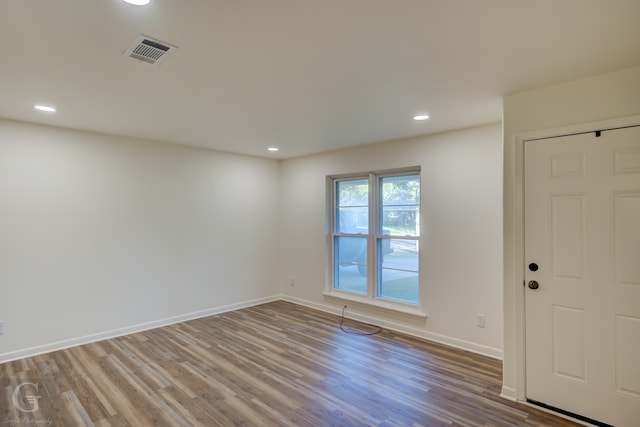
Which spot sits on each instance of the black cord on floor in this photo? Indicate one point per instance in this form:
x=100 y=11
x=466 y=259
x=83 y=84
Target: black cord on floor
x=354 y=332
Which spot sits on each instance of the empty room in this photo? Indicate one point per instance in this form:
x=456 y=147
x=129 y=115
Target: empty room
x=320 y=213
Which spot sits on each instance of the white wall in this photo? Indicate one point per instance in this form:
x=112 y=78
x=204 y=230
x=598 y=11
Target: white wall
x=461 y=251
x=104 y=235
x=101 y=235
x=554 y=110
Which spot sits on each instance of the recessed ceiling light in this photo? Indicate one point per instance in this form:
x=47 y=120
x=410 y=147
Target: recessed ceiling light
x=45 y=108
x=420 y=117
x=138 y=2
x=274 y=149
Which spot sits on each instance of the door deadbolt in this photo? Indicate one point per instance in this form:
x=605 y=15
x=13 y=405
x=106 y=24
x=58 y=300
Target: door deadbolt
x=533 y=284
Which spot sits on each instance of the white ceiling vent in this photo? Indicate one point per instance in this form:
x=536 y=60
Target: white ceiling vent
x=149 y=50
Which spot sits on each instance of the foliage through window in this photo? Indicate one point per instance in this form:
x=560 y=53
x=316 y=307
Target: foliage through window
x=375 y=233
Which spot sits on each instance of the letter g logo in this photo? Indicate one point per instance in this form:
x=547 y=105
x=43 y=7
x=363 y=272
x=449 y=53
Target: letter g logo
x=29 y=398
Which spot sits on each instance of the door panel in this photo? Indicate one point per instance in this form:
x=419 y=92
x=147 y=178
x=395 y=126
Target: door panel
x=582 y=228
x=567 y=236
x=627 y=239
x=627 y=356
x=569 y=352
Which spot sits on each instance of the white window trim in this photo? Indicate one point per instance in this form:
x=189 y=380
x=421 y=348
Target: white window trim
x=387 y=304
x=370 y=299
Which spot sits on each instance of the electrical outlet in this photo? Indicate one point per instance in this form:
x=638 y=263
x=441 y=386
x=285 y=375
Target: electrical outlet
x=1 y=327
x=481 y=320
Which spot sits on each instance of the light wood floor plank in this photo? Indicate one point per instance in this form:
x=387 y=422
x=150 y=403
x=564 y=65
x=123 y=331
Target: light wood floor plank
x=276 y=364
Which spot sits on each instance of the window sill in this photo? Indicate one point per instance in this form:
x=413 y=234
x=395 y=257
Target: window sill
x=397 y=307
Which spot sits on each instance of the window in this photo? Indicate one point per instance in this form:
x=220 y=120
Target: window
x=375 y=233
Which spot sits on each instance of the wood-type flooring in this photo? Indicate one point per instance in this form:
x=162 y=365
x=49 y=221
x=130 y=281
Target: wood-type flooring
x=275 y=364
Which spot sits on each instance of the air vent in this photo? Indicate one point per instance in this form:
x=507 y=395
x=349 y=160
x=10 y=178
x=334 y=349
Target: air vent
x=149 y=50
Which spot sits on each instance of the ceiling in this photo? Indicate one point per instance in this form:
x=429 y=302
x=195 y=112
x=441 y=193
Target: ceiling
x=305 y=75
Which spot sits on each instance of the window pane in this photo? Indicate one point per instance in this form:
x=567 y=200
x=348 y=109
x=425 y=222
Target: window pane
x=350 y=264
x=352 y=206
x=352 y=220
x=395 y=220
x=352 y=192
x=398 y=269
x=400 y=205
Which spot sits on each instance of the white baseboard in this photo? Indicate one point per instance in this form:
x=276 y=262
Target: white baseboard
x=494 y=353
x=508 y=393
x=430 y=336
x=60 y=345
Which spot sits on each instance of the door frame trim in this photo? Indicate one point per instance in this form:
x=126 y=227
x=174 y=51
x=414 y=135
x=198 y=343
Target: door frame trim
x=514 y=276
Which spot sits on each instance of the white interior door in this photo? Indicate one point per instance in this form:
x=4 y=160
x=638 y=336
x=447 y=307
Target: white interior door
x=582 y=232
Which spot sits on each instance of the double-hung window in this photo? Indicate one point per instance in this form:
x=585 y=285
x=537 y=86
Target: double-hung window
x=375 y=234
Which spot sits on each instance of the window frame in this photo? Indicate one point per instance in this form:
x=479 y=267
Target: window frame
x=374 y=237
